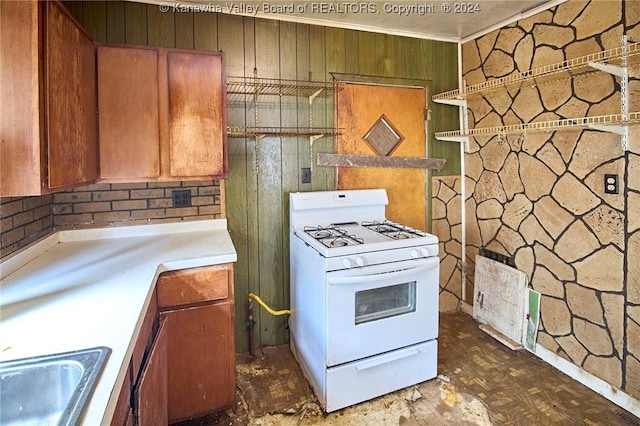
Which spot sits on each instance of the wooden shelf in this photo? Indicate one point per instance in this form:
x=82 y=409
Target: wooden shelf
x=349 y=160
x=620 y=56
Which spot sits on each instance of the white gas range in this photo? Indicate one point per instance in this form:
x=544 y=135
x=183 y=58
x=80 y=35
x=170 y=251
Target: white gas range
x=364 y=297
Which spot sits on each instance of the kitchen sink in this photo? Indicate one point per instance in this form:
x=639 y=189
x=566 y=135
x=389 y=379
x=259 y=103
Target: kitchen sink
x=49 y=389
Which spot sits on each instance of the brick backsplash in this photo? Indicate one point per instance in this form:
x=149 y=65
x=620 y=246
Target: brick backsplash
x=23 y=220
x=26 y=219
x=134 y=203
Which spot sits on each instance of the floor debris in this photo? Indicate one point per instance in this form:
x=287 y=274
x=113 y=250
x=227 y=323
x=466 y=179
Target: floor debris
x=416 y=395
x=480 y=382
x=443 y=378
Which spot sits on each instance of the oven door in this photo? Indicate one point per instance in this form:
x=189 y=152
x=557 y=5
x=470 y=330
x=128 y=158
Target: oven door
x=380 y=308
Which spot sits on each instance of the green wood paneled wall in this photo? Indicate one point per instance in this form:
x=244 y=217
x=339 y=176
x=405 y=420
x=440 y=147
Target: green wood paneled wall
x=263 y=173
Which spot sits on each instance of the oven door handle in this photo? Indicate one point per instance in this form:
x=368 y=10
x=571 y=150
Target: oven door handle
x=363 y=279
x=387 y=359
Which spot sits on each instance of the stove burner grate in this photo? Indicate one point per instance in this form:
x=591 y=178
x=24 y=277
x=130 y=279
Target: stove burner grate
x=339 y=242
x=323 y=233
x=332 y=236
x=393 y=230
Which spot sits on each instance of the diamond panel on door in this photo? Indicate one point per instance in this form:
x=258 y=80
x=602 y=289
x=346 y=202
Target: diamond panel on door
x=383 y=136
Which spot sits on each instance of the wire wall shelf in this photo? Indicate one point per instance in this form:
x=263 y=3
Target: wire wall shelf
x=259 y=132
x=628 y=54
x=614 y=61
x=546 y=126
x=257 y=90
x=255 y=86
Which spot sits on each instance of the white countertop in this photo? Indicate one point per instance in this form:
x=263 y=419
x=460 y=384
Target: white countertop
x=85 y=288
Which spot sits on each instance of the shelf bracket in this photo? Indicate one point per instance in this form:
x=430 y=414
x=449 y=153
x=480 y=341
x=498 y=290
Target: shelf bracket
x=616 y=70
x=460 y=139
x=621 y=71
x=464 y=125
x=312 y=139
x=314 y=95
x=622 y=131
x=454 y=102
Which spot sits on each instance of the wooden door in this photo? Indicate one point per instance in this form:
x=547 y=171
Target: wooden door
x=72 y=148
x=197 y=119
x=201 y=361
x=151 y=390
x=385 y=120
x=128 y=104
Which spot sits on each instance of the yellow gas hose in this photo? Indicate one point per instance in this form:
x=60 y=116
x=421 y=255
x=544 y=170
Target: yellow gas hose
x=267 y=308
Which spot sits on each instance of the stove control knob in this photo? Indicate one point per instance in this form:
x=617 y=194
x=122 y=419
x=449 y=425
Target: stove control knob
x=346 y=262
x=414 y=253
x=425 y=252
x=359 y=261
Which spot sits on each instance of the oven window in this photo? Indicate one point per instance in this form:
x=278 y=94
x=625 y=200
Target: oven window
x=385 y=302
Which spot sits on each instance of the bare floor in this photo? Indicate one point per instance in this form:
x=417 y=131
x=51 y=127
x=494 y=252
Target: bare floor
x=480 y=382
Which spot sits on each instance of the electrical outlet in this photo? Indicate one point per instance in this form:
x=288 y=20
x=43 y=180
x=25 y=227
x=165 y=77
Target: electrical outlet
x=181 y=198
x=611 y=184
x=305 y=175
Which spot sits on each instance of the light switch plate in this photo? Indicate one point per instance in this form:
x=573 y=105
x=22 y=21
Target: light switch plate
x=305 y=175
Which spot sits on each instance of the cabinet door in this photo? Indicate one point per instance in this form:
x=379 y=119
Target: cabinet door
x=128 y=105
x=150 y=406
x=20 y=156
x=70 y=100
x=201 y=360
x=197 y=121
x=145 y=338
x=122 y=412
x=47 y=100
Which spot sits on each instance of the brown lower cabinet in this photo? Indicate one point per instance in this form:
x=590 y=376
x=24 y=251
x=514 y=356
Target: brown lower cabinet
x=123 y=414
x=197 y=307
x=150 y=393
x=183 y=363
x=147 y=355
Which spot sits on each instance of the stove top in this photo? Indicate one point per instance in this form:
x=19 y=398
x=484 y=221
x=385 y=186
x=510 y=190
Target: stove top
x=353 y=222
x=338 y=239
x=352 y=233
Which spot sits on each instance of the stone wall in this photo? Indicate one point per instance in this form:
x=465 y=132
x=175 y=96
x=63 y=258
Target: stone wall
x=631 y=359
x=447 y=226
x=539 y=197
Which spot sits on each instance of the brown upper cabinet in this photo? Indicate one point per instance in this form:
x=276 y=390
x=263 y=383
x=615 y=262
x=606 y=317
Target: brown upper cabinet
x=162 y=114
x=48 y=136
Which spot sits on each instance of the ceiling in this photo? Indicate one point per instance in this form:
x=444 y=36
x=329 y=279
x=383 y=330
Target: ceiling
x=439 y=20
